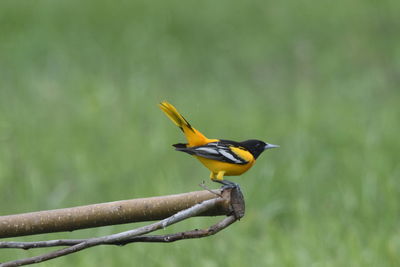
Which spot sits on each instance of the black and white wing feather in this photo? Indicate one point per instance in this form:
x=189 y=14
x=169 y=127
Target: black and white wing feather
x=216 y=150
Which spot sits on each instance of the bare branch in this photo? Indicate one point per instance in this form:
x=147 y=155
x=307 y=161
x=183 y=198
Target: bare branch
x=183 y=235
x=232 y=198
x=144 y=238
x=111 y=213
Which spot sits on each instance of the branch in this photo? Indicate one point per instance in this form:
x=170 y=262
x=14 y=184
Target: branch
x=236 y=207
x=111 y=213
x=168 y=238
x=193 y=211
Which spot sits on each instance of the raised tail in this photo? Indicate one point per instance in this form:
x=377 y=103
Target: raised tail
x=194 y=137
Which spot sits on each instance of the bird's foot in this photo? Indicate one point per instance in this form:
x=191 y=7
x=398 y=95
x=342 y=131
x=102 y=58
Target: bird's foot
x=227 y=184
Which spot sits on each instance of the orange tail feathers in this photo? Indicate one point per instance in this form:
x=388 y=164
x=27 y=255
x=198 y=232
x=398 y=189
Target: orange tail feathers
x=194 y=137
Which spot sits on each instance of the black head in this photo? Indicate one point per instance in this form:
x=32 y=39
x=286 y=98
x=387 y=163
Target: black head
x=256 y=147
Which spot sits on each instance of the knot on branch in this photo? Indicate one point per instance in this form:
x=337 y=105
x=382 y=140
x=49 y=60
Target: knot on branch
x=236 y=201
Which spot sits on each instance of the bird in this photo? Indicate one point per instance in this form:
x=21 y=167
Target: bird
x=222 y=157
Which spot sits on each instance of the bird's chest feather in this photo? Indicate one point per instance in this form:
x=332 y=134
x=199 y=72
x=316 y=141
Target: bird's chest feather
x=229 y=168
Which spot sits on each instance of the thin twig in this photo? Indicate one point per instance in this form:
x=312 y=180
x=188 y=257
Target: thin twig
x=144 y=238
x=184 y=235
x=203 y=185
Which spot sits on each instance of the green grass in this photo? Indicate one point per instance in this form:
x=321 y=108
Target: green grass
x=79 y=84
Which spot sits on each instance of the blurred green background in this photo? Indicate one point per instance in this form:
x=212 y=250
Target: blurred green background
x=79 y=122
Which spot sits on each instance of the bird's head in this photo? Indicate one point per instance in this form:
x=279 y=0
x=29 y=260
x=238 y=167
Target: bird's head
x=256 y=147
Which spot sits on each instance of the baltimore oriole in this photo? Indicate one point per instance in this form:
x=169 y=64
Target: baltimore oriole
x=221 y=157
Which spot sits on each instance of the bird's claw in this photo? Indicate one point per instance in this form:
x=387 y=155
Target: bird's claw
x=227 y=184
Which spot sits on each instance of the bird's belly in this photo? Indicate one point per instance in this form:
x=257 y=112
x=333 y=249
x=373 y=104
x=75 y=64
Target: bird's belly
x=230 y=169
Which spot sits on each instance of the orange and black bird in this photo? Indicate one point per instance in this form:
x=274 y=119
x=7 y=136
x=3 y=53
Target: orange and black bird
x=222 y=157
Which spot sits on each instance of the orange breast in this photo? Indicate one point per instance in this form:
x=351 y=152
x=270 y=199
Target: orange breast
x=229 y=168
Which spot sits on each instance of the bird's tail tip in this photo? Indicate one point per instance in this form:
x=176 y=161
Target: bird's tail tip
x=174 y=115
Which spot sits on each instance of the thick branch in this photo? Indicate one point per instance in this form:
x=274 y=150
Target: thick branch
x=232 y=198
x=120 y=237
x=111 y=213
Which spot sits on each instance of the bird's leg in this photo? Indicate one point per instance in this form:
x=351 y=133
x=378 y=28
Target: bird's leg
x=212 y=176
x=226 y=184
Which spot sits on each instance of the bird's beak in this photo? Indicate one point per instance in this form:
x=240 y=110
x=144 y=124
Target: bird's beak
x=268 y=146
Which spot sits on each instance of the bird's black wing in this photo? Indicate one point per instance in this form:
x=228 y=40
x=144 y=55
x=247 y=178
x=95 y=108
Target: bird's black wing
x=216 y=150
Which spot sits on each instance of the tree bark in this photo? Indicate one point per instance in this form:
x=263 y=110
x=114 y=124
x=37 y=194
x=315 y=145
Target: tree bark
x=111 y=213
